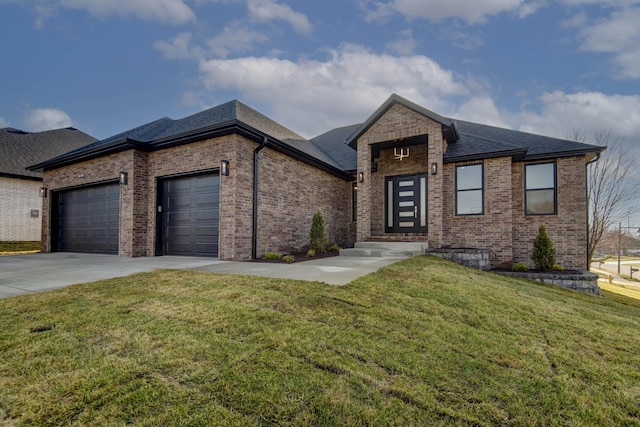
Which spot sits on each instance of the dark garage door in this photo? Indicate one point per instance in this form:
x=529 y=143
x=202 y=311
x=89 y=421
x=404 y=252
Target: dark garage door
x=88 y=219
x=190 y=215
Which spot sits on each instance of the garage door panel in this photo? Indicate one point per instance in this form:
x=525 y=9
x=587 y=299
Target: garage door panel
x=190 y=215
x=88 y=219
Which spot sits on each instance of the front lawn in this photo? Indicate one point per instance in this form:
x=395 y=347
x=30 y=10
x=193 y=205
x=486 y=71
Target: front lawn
x=421 y=342
x=7 y=248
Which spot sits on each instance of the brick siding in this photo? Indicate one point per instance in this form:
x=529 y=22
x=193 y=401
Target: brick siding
x=18 y=197
x=290 y=191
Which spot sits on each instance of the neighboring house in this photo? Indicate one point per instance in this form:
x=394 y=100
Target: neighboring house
x=231 y=183
x=624 y=238
x=20 y=201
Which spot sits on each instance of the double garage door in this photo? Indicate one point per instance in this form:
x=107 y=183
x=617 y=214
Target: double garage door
x=88 y=219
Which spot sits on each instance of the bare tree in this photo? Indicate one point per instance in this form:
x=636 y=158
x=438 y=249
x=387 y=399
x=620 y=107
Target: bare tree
x=612 y=185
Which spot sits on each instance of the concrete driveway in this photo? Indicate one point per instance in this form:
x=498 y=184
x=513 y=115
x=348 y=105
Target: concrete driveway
x=23 y=274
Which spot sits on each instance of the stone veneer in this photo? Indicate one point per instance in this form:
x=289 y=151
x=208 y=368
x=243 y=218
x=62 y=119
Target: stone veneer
x=581 y=281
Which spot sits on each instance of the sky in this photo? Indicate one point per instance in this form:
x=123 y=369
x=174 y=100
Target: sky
x=551 y=67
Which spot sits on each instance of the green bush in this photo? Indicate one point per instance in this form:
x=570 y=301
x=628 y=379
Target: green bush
x=317 y=235
x=558 y=267
x=544 y=253
x=288 y=259
x=334 y=248
x=520 y=266
x=272 y=255
x=311 y=253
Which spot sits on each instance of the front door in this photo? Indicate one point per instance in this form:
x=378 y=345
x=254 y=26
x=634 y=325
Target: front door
x=406 y=204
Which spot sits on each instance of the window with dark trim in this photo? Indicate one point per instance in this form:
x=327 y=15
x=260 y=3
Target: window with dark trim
x=354 y=201
x=540 y=189
x=470 y=189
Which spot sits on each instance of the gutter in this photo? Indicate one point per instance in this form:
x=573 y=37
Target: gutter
x=586 y=178
x=254 y=235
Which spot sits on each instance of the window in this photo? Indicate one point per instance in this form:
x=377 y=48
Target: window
x=469 y=190
x=540 y=189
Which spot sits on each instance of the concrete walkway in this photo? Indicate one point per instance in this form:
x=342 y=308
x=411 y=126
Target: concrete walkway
x=23 y=274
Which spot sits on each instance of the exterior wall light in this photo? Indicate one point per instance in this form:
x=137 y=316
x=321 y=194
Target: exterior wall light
x=43 y=192
x=123 y=178
x=224 y=167
x=434 y=168
x=361 y=177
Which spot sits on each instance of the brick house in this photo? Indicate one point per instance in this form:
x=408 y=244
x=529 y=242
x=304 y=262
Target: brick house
x=20 y=201
x=231 y=183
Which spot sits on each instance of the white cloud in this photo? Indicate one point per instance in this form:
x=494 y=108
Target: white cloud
x=3 y=123
x=236 y=37
x=585 y=111
x=472 y=11
x=269 y=10
x=178 y=48
x=619 y=34
x=173 y=12
x=481 y=109
x=41 y=119
x=405 y=45
x=312 y=96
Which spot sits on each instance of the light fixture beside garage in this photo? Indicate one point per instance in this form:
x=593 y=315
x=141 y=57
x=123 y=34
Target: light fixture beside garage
x=224 y=167
x=43 y=192
x=123 y=178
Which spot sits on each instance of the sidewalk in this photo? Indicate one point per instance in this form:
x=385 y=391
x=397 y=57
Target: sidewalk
x=617 y=280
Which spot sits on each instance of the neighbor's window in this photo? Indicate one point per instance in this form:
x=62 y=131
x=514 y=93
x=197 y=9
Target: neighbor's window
x=540 y=189
x=469 y=190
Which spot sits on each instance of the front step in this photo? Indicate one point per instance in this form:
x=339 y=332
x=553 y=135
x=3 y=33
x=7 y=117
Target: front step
x=385 y=249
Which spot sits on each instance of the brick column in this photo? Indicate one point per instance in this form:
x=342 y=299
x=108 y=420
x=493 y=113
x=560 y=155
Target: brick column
x=363 y=226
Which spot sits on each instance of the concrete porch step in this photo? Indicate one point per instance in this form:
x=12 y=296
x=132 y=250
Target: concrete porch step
x=385 y=249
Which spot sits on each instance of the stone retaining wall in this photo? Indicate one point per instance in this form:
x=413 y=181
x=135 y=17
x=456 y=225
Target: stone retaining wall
x=470 y=257
x=581 y=281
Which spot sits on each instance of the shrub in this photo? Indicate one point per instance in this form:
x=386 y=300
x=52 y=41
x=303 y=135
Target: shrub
x=544 y=253
x=288 y=259
x=272 y=255
x=334 y=248
x=520 y=266
x=557 y=267
x=317 y=235
x=311 y=253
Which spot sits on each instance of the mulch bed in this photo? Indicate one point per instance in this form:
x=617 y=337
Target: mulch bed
x=300 y=257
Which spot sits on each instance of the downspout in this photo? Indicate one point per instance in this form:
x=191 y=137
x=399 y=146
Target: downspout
x=586 y=178
x=254 y=235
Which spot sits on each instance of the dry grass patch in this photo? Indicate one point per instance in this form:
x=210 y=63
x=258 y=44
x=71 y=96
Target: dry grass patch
x=421 y=342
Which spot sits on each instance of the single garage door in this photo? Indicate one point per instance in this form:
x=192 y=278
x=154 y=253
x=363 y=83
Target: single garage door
x=191 y=215
x=89 y=219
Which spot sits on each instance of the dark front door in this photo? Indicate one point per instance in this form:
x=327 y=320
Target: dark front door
x=190 y=215
x=88 y=219
x=406 y=204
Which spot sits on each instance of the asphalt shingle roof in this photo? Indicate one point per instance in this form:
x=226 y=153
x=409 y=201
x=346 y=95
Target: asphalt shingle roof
x=19 y=149
x=474 y=140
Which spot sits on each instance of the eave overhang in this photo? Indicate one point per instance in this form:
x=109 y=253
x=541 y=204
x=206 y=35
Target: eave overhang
x=215 y=131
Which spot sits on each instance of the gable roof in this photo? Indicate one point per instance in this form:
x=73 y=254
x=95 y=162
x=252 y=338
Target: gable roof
x=449 y=127
x=19 y=149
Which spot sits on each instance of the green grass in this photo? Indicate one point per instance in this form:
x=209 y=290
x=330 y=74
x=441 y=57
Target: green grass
x=18 y=247
x=421 y=342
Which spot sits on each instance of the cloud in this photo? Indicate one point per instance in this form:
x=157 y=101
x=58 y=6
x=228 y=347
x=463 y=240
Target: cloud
x=472 y=11
x=269 y=10
x=339 y=90
x=178 y=48
x=3 y=123
x=237 y=38
x=41 y=119
x=482 y=109
x=561 y=112
x=619 y=35
x=405 y=45
x=172 y=12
